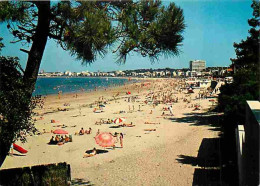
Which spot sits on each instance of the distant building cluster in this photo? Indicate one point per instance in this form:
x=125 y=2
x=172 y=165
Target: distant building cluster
x=197 y=69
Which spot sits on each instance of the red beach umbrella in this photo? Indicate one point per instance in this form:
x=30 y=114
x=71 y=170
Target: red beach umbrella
x=119 y=120
x=105 y=139
x=60 y=131
x=129 y=92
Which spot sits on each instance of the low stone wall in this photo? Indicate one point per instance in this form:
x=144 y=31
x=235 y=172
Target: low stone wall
x=248 y=146
x=51 y=174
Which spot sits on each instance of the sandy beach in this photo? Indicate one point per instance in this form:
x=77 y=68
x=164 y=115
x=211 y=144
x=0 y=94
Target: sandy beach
x=150 y=153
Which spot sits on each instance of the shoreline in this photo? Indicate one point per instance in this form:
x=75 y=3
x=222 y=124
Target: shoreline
x=137 y=80
x=146 y=154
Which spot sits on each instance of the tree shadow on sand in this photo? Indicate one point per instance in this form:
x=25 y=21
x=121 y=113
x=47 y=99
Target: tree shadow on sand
x=79 y=181
x=208 y=162
x=210 y=118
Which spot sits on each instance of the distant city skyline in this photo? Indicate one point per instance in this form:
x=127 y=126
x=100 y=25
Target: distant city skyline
x=212 y=28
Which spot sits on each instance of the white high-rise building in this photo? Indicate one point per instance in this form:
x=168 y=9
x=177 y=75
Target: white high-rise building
x=197 y=65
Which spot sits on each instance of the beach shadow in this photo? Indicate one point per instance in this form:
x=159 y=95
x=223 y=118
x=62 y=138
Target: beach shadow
x=208 y=161
x=114 y=127
x=208 y=154
x=99 y=151
x=15 y=154
x=210 y=118
x=79 y=181
x=205 y=177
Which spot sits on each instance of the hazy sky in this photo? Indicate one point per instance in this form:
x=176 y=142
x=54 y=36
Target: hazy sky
x=212 y=28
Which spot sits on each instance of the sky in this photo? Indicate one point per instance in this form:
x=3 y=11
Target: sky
x=212 y=28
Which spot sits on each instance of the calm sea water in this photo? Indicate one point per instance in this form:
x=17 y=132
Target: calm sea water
x=46 y=86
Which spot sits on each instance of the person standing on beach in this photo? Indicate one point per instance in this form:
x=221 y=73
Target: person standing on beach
x=121 y=139
x=59 y=94
x=11 y=153
x=98 y=132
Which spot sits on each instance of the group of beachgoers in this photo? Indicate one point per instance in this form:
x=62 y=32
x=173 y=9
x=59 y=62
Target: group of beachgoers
x=60 y=140
x=102 y=121
x=82 y=131
x=159 y=93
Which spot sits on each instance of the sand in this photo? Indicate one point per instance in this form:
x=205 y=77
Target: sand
x=147 y=158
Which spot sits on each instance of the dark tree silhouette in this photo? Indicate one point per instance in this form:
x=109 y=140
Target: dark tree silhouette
x=232 y=99
x=88 y=30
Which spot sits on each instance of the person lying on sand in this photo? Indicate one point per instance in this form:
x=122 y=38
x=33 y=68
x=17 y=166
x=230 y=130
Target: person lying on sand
x=163 y=114
x=54 y=121
x=93 y=153
x=149 y=129
x=44 y=131
x=98 y=123
x=64 y=109
x=119 y=112
x=40 y=118
x=196 y=108
x=109 y=121
x=128 y=125
x=151 y=123
x=95 y=110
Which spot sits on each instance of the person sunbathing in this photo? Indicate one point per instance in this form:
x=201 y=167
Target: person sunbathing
x=88 y=131
x=52 y=141
x=98 y=123
x=62 y=139
x=93 y=153
x=62 y=109
x=67 y=139
x=57 y=139
x=81 y=132
x=54 y=121
x=150 y=123
x=128 y=125
x=196 y=108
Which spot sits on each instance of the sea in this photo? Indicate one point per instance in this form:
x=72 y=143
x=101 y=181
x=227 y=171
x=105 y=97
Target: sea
x=52 y=85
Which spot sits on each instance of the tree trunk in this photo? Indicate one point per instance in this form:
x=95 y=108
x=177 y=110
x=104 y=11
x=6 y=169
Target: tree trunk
x=33 y=62
x=38 y=46
x=4 y=149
